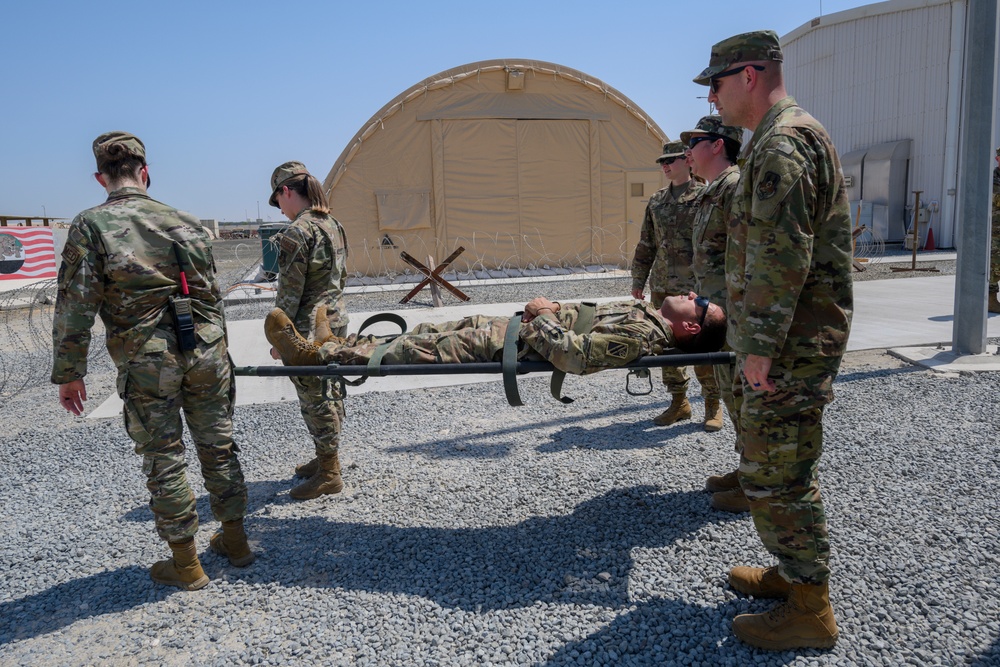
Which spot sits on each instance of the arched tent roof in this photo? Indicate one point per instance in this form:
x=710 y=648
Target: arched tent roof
x=519 y=161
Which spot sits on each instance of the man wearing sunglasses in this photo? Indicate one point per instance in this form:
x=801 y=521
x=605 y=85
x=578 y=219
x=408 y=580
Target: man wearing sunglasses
x=790 y=301
x=663 y=256
x=712 y=151
x=619 y=333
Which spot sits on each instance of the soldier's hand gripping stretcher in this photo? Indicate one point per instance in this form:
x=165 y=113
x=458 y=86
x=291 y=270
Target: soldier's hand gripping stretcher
x=548 y=337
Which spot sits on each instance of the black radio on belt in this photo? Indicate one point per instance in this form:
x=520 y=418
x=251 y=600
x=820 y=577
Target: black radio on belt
x=180 y=306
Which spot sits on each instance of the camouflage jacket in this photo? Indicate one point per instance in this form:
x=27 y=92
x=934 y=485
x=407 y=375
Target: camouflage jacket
x=119 y=262
x=996 y=196
x=663 y=254
x=312 y=269
x=711 y=226
x=788 y=259
x=622 y=331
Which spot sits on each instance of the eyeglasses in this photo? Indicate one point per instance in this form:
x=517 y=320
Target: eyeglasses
x=713 y=83
x=694 y=141
x=702 y=302
x=671 y=160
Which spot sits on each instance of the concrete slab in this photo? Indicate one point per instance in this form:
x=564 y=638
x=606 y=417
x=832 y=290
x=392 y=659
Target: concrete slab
x=888 y=314
x=944 y=360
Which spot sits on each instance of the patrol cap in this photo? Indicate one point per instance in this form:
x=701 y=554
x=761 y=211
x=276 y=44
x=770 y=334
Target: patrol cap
x=749 y=46
x=282 y=175
x=671 y=149
x=113 y=146
x=713 y=125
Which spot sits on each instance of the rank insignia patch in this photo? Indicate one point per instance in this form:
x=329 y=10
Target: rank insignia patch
x=768 y=186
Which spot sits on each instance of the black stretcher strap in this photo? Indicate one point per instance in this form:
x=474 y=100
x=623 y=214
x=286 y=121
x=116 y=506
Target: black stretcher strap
x=509 y=363
x=375 y=361
x=584 y=323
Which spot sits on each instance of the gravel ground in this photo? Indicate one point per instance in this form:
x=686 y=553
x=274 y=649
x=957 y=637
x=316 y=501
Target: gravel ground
x=474 y=533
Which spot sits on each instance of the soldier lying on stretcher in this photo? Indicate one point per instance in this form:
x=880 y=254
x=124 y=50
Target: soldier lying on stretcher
x=619 y=333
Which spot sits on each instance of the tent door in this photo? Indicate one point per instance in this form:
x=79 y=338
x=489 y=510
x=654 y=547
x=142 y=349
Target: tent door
x=639 y=185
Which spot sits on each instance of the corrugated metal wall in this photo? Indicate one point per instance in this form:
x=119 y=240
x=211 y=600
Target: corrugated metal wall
x=880 y=78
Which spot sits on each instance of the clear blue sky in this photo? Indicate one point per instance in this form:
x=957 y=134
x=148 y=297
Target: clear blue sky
x=222 y=92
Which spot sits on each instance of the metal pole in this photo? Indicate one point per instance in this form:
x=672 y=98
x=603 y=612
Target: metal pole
x=482 y=367
x=974 y=178
x=916 y=225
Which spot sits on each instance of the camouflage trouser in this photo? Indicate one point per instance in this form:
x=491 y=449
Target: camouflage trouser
x=323 y=417
x=155 y=385
x=475 y=338
x=724 y=377
x=782 y=439
x=675 y=378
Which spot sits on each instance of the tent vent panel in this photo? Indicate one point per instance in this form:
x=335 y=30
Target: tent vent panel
x=515 y=79
x=403 y=210
x=638 y=190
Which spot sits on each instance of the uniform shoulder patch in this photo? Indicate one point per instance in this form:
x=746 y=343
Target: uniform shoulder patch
x=618 y=350
x=71 y=254
x=768 y=185
x=288 y=244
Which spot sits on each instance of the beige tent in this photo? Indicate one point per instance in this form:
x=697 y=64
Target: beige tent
x=523 y=163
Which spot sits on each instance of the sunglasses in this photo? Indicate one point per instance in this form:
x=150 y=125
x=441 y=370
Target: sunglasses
x=694 y=141
x=713 y=83
x=671 y=160
x=702 y=302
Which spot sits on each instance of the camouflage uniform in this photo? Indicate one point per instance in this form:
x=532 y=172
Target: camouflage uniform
x=663 y=256
x=788 y=272
x=711 y=228
x=995 y=235
x=119 y=262
x=312 y=260
x=621 y=332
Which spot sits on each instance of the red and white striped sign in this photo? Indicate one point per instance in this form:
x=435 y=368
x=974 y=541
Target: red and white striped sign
x=27 y=253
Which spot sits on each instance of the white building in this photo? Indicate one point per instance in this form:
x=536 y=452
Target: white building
x=886 y=80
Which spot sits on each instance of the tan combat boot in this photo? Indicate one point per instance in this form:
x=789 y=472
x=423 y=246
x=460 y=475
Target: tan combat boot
x=293 y=348
x=759 y=582
x=183 y=570
x=993 y=305
x=679 y=409
x=323 y=333
x=715 y=483
x=713 y=415
x=733 y=500
x=307 y=470
x=231 y=542
x=326 y=480
x=805 y=620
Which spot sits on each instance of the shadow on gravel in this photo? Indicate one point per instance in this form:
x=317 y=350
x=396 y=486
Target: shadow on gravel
x=863 y=376
x=990 y=656
x=583 y=558
x=632 y=433
x=672 y=632
x=617 y=436
x=65 y=604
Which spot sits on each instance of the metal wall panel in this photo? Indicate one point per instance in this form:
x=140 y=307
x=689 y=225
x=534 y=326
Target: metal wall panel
x=878 y=78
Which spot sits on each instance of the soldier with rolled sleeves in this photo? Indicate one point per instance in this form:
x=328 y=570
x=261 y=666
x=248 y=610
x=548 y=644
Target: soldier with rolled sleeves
x=663 y=256
x=312 y=261
x=790 y=301
x=712 y=149
x=147 y=270
x=993 y=305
